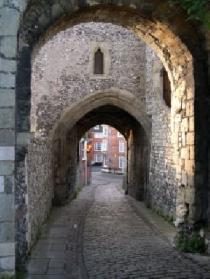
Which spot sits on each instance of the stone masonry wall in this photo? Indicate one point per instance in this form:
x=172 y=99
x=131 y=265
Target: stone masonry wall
x=161 y=194
x=9 y=20
x=62 y=74
x=33 y=197
x=72 y=78
x=39 y=173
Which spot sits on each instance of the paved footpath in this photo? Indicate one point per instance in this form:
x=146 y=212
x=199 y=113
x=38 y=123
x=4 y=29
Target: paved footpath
x=103 y=234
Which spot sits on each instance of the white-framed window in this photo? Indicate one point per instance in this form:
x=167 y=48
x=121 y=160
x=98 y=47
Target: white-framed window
x=98 y=158
x=121 y=146
x=104 y=145
x=97 y=146
x=97 y=127
x=122 y=162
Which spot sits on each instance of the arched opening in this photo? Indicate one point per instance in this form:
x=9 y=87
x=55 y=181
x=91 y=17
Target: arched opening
x=177 y=60
x=101 y=149
x=67 y=164
x=166 y=88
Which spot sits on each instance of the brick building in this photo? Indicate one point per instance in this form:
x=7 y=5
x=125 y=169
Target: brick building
x=108 y=148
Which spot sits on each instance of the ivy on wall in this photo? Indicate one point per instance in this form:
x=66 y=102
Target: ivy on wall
x=196 y=10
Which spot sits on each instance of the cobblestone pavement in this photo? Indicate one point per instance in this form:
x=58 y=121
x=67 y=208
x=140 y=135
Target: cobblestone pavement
x=115 y=242
x=58 y=253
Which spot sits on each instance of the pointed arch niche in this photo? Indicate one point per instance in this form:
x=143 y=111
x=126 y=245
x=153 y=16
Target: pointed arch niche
x=100 y=60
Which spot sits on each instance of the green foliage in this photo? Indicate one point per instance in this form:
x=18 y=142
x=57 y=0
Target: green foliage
x=18 y=275
x=191 y=243
x=196 y=10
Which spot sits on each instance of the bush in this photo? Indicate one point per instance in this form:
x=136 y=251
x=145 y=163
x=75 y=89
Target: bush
x=191 y=242
x=195 y=9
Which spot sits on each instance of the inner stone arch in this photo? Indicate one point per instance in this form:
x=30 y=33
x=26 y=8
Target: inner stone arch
x=65 y=148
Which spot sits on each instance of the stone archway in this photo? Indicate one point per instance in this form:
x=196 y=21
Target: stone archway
x=178 y=61
x=182 y=54
x=112 y=108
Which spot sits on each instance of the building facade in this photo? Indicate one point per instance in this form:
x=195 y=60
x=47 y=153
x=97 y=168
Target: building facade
x=108 y=148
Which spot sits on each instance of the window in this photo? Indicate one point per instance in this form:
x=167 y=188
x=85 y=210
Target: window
x=122 y=163
x=98 y=158
x=99 y=62
x=166 y=88
x=104 y=145
x=121 y=146
x=97 y=146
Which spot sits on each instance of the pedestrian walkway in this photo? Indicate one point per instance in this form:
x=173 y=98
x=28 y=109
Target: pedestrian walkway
x=104 y=234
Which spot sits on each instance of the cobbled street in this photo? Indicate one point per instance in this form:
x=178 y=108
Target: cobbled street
x=103 y=234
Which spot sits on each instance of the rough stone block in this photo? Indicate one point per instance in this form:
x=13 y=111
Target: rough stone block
x=1 y=184
x=9 y=21
x=7 y=249
x=7 y=118
x=9 y=184
x=7 y=65
x=184 y=125
x=183 y=139
x=184 y=178
x=7 y=80
x=7 y=263
x=6 y=168
x=190 y=94
x=191 y=124
x=7 y=232
x=192 y=153
x=7 y=137
x=7 y=97
x=190 y=138
x=185 y=153
x=190 y=108
x=6 y=207
x=8 y=46
x=7 y=153
x=189 y=167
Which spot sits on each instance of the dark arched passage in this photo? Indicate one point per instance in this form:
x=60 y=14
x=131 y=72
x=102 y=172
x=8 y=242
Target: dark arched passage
x=65 y=151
